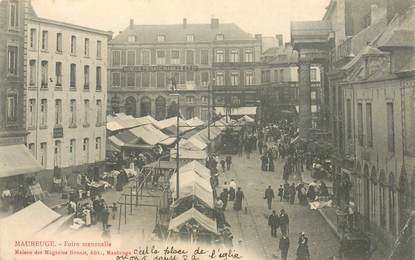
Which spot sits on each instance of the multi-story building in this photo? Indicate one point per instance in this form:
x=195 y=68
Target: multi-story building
x=66 y=94
x=15 y=159
x=145 y=58
x=280 y=92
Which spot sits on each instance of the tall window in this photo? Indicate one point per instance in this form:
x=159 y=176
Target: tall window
x=31 y=121
x=204 y=57
x=146 y=57
x=234 y=79
x=99 y=49
x=98 y=79
x=44 y=74
x=390 y=126
x=190 y=57
x=32 y=72
x=116 y=79
x=190 y=38
x=86 y=77
x=205 y=78
x=175 y=57
x=43 y=113
x=58 y=73
x=43 y=154
x=313 y=74
x=369 y=129
x=349 y=118
x=86 y=47
x=360 y=123
x=249 y=55
x=130 y=58
x=58 y=112
x=13 y=15
x=12 y=60
x=98 y=148
x=85 y=148
x=99 y=112
x=57 y=153
x=161 y=79
x=276 y=76
x=73 y=45
x=72 y=83
x=130 y=79
x=44 y=40
x=86 y=112
x=11 y=107
x=219 y=56
x=234 y=56
x=59 y=42
x=282 y=76
x=249 y=78
x=190 y=76
x=72 y=110
x=33 y=39
x=220 y=81
x=72 y=151
x=161 y=57
x=146 y=80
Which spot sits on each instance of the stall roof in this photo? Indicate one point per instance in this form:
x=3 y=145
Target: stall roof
x=192 y=144
x=172 y=121
x=16 y=159
x=189 y=154
x=195 y=190
x=122 y=121
x=195 y=122
x=247 y=119
x=149 y=134
x=198 y=168
x=30 y=220
x=203 y=220
x=168 y=141
x=192 y=181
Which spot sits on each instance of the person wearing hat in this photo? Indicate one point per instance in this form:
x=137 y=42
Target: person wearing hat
x=284 y=245
x=284 y=222
x=302 y=249
x=274 y=223
x=269 y=196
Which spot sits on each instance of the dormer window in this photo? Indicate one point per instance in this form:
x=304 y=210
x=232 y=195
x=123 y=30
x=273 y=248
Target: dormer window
x=220 y=37
x=131 y=38
x=190 y=38
x=161 y=38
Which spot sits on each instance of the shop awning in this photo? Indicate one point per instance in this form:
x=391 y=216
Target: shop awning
x=195 y=122
x=237 y=111
x=149 y=134
x=193 y=214
x=16 y=159
x=197 y=167
x=192 y=144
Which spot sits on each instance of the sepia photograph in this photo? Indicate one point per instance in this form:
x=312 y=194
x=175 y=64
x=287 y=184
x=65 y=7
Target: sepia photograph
x=207 y=129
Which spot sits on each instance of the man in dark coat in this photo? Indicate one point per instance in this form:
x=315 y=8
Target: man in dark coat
x=274 y=223
x=284 y=246
x=286 y=191
x=224 y=198
x=292 y=193
x=284 y=222
x=269 y=196
x=302 y=250
x=228 y=160
x=281 y=192
x=239 y=196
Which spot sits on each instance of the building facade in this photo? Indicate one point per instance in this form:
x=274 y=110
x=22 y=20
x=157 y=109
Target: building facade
x=198 y=57
x=66 y=93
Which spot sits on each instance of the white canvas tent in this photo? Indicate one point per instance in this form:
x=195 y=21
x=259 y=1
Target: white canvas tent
x=193 y=214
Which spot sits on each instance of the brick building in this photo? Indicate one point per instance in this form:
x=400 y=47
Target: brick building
x=145 y=58
x=66 y=95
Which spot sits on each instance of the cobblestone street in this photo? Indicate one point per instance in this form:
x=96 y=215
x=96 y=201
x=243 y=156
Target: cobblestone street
x=252 y=228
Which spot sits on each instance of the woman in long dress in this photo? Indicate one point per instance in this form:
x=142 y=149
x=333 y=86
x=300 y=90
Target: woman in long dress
x=239 y=196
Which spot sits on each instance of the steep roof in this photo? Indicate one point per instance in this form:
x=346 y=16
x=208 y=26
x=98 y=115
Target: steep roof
x=177 y=33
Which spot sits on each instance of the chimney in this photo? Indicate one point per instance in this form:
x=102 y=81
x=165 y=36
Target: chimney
x=258 y=37
x=214 y=23
x=184 y=23
x=394 y=7
x=131 y=23
x=279 y=40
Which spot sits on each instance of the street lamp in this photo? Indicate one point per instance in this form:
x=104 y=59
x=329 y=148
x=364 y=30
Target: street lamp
x=175 y=92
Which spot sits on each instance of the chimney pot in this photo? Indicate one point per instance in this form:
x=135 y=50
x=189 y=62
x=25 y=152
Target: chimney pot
x=184 y=23
x=214 y=23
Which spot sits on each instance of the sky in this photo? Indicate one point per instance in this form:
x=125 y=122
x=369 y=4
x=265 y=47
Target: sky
x=266 y=17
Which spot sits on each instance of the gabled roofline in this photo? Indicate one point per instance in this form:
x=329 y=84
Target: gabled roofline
x=329 y=9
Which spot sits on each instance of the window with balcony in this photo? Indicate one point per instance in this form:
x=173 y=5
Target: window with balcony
x=43 y=113
x=175 y=57
x=33 y=39
x=58 y=112
x=86 y=47
x=116 y=79
x=44 y=40
x=219 y=56
x=73 y=45
x=160 y=57
x=32 y=72
x=72 y=82
x=12 y=60
x=44 y=74
x=59 y=42
x=234 y=56
x=58 y=73
x=249 y=55
x=98 y=76
x=86 y=77
x=190 y=57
